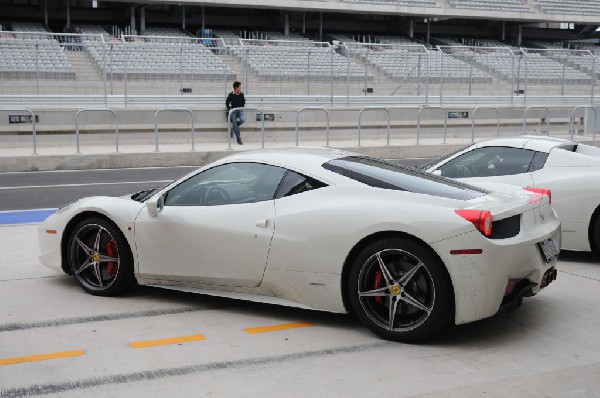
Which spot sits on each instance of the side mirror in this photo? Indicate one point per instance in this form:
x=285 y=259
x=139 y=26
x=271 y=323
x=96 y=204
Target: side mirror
x=155 y=205
x=437 y=172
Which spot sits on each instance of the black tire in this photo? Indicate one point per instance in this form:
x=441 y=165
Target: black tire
x=99 y=258
x=404 y=274
x=595 y=238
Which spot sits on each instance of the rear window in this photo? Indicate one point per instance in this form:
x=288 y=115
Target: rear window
x=381 y=174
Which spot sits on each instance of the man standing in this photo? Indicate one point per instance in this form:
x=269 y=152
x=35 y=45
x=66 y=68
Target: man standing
x=236 y=99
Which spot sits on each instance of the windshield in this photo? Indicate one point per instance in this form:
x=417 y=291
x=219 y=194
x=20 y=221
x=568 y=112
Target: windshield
x=439 y=159
x=381 y=174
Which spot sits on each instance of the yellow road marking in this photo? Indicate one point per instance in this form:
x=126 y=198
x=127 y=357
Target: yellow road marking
x=41 y=357
x=174 y=340
x=274 y=328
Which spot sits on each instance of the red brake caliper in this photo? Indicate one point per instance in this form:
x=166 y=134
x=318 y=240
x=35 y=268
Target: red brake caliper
x=111 y=250
x=378 y=283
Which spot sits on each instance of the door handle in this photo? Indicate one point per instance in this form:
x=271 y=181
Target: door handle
x=262 y=223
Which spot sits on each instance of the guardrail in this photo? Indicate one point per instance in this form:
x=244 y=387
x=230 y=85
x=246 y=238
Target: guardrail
x=174 y=110
x=97 y=110
x=387 y=111
x=314 y=109
x=32 y=123
x=475 y=114
x=537 y=107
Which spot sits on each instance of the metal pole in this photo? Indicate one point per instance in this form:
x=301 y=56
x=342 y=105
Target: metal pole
x=441 y=73
x=562 y=88
x=332 y=54
x=111 y=68
x=593 y=81
x=37 y=68
x=104 y=78
x=181 y=65
x=125 y=68
x=308 y=70
x=347 y=76
x=470 y=78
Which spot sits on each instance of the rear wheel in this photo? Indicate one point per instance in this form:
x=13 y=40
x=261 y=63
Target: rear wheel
x=596 y=236
x=400 y=290
x=100 y=258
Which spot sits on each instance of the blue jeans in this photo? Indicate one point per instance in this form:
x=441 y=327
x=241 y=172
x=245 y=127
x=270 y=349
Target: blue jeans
x=237 y=118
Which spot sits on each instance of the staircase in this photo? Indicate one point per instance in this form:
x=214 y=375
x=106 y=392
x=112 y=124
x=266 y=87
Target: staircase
x=87 y=77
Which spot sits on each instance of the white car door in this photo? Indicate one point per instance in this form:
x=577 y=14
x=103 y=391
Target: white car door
x=205 y=236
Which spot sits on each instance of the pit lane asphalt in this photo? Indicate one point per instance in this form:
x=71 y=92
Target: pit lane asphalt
x=56 y=340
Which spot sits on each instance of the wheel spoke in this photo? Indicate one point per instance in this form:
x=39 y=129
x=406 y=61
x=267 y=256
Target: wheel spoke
x=107 y=259
x=97 y=241
x=404 y=280
x=408 y=299
x=382 y=291
x=393 y=308
x=85 y=248
x=98 y=273
x=385 y=271
x=83 y=267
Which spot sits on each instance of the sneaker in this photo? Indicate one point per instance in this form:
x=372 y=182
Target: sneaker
x=239 y=141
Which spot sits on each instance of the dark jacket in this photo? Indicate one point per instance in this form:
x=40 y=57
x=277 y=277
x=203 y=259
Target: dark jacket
x=235 y=100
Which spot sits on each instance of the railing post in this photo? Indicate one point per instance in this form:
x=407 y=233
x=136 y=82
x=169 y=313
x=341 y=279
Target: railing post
x=33 y=128
x=473 y=120
x=262 y=130
x=419 y=121
x=314 y=109
x=97 y=110
x=175 y=110
x=524 y=129
x=387 y=111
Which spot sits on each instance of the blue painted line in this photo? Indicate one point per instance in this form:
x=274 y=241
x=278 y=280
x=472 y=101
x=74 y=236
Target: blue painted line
x=24 y=216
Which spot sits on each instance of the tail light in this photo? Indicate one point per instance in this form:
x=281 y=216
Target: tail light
x=540 y=191
x=482 y=219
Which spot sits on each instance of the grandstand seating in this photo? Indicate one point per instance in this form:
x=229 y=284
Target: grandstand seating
x=157 y=60
x=296 y=60
x=405 y=3
x=491 y=5
x=30 y=52
x=573 y=7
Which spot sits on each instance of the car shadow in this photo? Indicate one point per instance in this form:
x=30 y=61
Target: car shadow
x=583 y=257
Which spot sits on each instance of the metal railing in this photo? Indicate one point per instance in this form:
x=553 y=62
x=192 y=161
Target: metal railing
x=193 y=132
x=97 y=110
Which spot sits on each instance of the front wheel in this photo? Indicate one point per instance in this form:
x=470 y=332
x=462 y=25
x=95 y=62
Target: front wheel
x=399 y=290
x=596 y=237
x=99 y=257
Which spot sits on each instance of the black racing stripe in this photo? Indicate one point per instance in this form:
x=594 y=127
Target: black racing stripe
x=53 y=388
x=11 y=327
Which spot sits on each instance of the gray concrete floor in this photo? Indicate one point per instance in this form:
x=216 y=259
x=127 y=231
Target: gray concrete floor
x=547 y=348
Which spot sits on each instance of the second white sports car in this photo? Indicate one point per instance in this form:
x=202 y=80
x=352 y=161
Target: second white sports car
x=570 y=170
x=406 y=251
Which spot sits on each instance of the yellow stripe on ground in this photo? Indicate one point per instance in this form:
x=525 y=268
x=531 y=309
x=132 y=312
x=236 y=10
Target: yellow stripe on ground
x=174 y=340
x=274 y=328
x=41 y=357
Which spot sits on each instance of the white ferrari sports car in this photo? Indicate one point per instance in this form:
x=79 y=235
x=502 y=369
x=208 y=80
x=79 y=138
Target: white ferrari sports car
x=570 y=170
x=405 y=250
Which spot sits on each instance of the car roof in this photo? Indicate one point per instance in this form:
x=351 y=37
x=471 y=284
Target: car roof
x=302 y=159
x=533 y=142
x=292 y=154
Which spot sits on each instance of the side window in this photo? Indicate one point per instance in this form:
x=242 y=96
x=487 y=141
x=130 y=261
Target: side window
x=538 y=162
x=294 y=183
x=227 y=184
x=489 y=161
